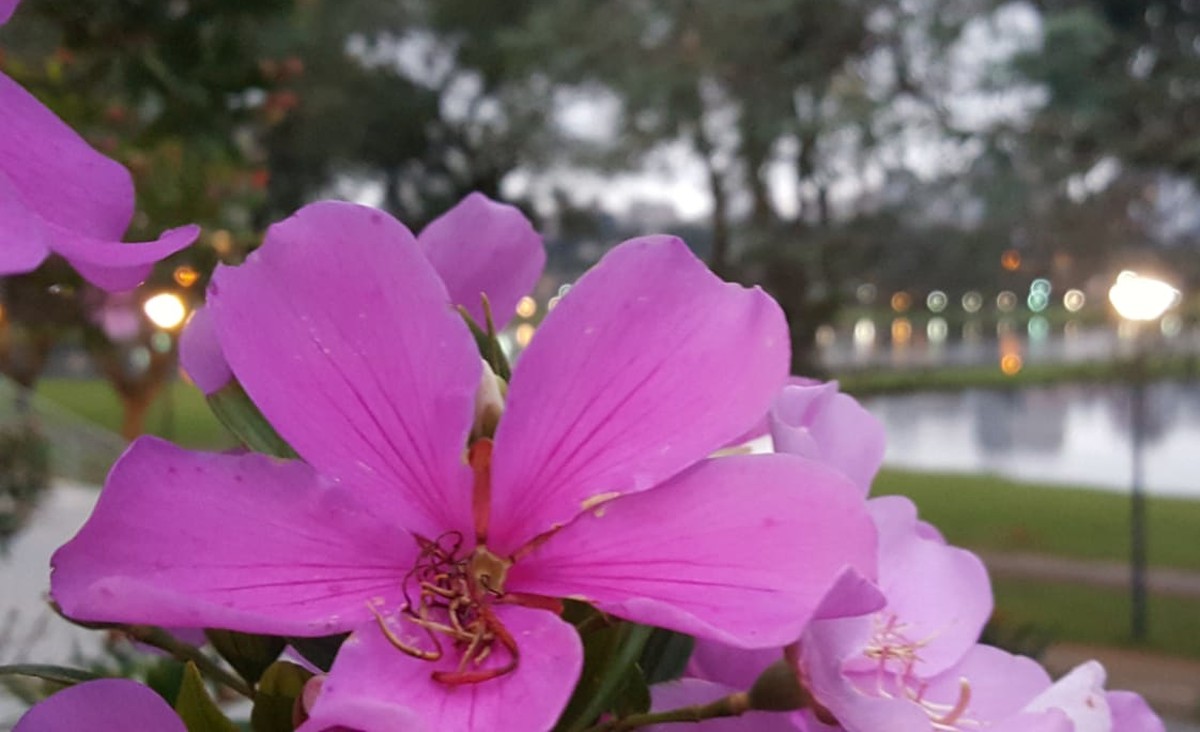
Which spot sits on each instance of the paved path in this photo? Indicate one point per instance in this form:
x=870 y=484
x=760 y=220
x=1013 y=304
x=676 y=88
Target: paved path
x=1159 y=580
x=1171 y=685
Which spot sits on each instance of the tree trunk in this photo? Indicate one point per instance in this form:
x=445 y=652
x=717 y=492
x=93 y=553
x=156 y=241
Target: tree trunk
x=133 y=417
x=718 y=258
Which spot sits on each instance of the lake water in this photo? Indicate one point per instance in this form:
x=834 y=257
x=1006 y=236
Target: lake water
x=1077 y=435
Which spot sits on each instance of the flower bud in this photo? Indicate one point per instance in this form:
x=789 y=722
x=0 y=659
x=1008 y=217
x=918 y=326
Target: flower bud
x=489 y=403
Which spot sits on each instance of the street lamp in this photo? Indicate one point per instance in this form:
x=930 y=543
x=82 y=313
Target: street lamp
x=167 y=311
x=1139 y=299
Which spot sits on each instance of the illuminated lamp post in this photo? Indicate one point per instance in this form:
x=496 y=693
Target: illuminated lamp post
x=167 y=311
x=1139 y=300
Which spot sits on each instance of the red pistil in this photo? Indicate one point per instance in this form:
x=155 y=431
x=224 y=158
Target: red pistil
x=479 y=456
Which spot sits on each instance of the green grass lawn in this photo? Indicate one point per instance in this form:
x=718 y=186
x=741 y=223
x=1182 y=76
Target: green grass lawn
x=993 y=514
x=1097 y=616
x=186 y=420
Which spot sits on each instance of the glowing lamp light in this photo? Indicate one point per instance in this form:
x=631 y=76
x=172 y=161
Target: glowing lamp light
x=166 y=310
x=1141 y=298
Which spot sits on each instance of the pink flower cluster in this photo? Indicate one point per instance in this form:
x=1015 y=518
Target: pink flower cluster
x=911 y=663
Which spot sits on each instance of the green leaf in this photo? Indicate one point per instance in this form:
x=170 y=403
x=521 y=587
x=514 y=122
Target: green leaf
x=666 y=655
x=196 y=708
x=320 y=652
x=233 y=407
x=57 y=674
x=249 y=654
x=609 y=659
x=634 y=696
x=275 y=703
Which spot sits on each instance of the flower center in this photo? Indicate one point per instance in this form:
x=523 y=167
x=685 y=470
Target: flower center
x=897 y=656
x=449 y=595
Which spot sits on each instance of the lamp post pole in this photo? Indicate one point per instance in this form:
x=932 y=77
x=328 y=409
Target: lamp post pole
x=1139 y=300
x=1137 y=505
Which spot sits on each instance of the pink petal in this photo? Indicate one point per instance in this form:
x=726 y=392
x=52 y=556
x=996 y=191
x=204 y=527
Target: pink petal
x=342 y=334
x=83 y=200
x=483 y=246
x=739 y=550
x=852 y=594
x=1081 y=696
x=113 y=265
x=24 y=239
x=940 y=594
x=736 y=667
x=649 y=364
x=1001 y=684
x=817 y=421
x=1131 y=713
x=6 y=9
x=369 y=670
x=243 y=542
x=104 y=705
x=689 y=692
x=200 y=353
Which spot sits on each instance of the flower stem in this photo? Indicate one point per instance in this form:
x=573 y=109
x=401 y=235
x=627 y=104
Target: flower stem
x=161 y=639
x=734 y=705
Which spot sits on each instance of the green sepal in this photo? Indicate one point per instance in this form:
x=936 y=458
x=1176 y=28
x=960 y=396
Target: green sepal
x=196 y=708
x=320 y=652
x=666 y=655
x=63 y=675
x=488 y=343
x=249 y=654
x=233 y=407
x=275 y=701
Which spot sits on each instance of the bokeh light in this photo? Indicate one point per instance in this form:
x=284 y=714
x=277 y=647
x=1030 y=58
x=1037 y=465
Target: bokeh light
x=901 y=331
x=1010 y=260
x=1039 y=328
x=937 y=330
x=1141 y=298
x=1037 y=301
x=864 y=333
x=1074 y=300
x=166 y=310
x=1006 y=301
x=524 y=334
x=186 y=276
x=865 y=294
x=1010 y=364
x=972 y=301
x=936 y=301
x=901 y=301
x=527 y=307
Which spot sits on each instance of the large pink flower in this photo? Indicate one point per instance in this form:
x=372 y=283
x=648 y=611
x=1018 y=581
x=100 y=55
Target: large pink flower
x=445 y=561
x=6 y=9
x=58 y=195
x=479 y=247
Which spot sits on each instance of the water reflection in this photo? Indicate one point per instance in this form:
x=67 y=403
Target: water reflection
x=1067 y=434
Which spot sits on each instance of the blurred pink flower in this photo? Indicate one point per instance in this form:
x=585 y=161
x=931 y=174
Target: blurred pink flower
x=59 y=195
x=104 y=705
